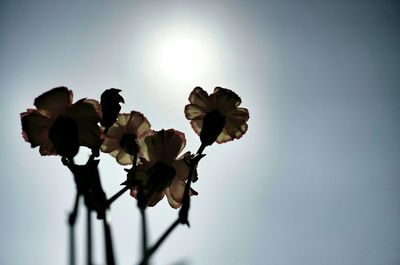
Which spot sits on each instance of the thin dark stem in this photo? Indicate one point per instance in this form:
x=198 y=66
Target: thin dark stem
x=108 y=241
x=184 y=211
x=89 y=237
x=74 y=213
x=144 y=235
x=71 y=223
x=201 y=149
x=159 y=242
x=71 y=245
x=117 y=195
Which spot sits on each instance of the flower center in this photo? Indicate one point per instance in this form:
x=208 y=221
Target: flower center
x=213 y=124
x=63 y=133
x=159 y=177
x=128 y=143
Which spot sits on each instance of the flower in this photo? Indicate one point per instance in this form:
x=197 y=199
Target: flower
x=216 y=117
x=110 y=106
x=161 y=172
x=121 y=139
x=60 y=127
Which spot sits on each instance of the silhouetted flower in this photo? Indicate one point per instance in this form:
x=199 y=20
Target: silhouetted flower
x=110 y=106
x=161 y=172
x=121 y=138
x=56 y=123
x=216 y=117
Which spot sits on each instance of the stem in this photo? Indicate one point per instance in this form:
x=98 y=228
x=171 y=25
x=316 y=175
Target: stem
x=144 y=235
x=108 y=241
x=89 y=237
x=184 y=211
x=71 y=223
x=71 y=245
x=201 y=149
x=153 y=249
x=74 y=213
x=117 y=195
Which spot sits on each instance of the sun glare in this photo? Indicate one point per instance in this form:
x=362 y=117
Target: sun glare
x=180 y=55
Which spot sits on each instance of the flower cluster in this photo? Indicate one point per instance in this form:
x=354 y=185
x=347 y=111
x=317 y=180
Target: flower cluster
x=60 y=127
x=159 y=167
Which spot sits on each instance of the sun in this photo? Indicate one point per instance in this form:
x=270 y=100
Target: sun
x=180 y=55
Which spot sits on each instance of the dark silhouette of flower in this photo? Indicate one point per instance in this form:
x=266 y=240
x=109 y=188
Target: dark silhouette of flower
x=161 y=172
x=216 y=117
x=60 y=127
x=110 y=107
x=121 y=139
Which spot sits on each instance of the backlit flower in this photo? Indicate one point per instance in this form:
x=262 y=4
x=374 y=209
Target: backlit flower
x=58 y=126
x=161 y=172
x=110 y=107
x=216 y=117
x=121 y=138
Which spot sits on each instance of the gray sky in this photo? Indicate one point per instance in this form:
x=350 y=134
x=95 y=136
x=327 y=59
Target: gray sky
x=314 y=181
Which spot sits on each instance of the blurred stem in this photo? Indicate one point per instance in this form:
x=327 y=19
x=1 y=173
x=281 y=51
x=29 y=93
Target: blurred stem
x=144 y=235
x=71 y=245
x=153 y=249
x=89 y=237
x=71 y=223
x=108 y=241
x=191 y=171
x=117 y=195
x=182 y=213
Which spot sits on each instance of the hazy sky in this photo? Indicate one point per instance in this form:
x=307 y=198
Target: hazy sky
x=314 y=181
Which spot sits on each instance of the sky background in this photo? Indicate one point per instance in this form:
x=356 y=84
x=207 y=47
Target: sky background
x=315 y=180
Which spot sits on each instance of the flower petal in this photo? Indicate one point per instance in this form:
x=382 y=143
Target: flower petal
x=115 y=132
x=137 y=124
x=124 y=158
x=238 y=114
x=230 y=128
x=90 y=134
x=86 y=113
x=35 y=126
x=235 y=128
x=177 y=189
x=123 y=118
x=109 y=144
x=155 y=198
x=174 y=142
x=197 y=125
x=47 y=148
x=175 y=195
x=142 y=142
x=174 y=204
x=87 y=110
x=164 y=145
x=115 y=152
x=199 y=97
x=182 y=169
x=224 y=137
x=193 y=111
x=55 y=101
x=226 y=100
